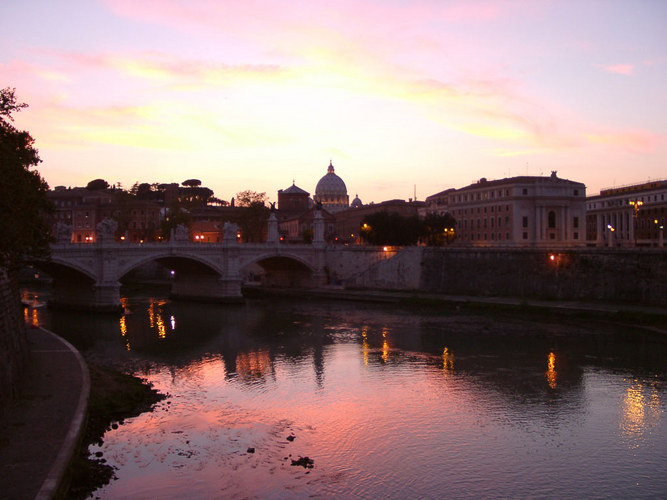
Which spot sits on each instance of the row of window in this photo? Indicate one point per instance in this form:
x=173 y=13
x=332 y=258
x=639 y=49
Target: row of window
x=493 y=208
x=625 y=202
x=482 y=195
x=482 y=223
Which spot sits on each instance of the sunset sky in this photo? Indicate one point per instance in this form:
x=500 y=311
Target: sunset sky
x=397 y=93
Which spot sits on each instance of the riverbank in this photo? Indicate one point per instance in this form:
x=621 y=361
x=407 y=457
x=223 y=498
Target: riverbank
x=650 y=318
x=114 y=397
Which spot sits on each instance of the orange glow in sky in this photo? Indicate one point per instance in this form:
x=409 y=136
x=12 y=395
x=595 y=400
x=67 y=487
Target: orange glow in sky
x=428 y=93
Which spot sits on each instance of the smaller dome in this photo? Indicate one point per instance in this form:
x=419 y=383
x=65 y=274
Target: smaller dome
x=356 y=203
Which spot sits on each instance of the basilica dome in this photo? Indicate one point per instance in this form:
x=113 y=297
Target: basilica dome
x=331 y=191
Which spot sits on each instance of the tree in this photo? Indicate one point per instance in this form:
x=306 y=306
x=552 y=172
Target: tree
x=175 y=216
x=24 y=231
x=192 y=183
x=252 y=219
x=248 y=198
x=97 y=185
x=438 y=229
x=384 y=228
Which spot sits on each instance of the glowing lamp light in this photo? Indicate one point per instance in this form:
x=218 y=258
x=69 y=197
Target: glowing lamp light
x=552 y=257
x=386 y=249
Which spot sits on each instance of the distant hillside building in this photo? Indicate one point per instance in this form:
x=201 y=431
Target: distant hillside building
x=627 y=216
x=331 y=192
x=293 y=201
x=83 y=209
x=516 y=212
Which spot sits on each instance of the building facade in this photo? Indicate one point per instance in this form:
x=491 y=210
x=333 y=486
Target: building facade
x=627 y=216
x=516 y=212
x=83 y=209
x=293 y=201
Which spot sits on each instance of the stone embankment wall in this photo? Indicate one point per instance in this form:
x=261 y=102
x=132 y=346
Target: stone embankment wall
x=628 y=276
x=345 y=264
x=13 y=341
x=396 y=271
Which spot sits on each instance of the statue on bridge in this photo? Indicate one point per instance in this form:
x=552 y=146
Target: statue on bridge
x=106 y=230
x=63 y=232
x=229 y=230
x=181 y=233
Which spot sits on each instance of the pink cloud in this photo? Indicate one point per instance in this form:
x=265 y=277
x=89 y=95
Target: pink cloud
x=619 y=69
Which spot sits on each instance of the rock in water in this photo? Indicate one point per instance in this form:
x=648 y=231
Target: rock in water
x=305 y=462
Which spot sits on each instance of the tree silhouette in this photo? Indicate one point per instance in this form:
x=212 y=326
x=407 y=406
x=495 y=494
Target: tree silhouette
x=252 y=220
x=191 y=183
x=438 y=230
x=24 y=232
x=97 y=185
x=384 y=228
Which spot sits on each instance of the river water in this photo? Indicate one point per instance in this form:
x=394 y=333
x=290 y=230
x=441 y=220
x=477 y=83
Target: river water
x=387 y=402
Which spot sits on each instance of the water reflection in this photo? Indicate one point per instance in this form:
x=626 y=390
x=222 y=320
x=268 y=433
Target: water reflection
x=641 y=412
x=551 y=372
x=362 y=389
x=447 y=361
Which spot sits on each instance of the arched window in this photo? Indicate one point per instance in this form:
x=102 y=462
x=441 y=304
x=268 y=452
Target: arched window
x=552 y=219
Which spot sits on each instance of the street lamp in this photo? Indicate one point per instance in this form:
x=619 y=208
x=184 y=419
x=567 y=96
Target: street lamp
x=636 y=205
x=449 y=231
x=661 y=233
x=611 y=234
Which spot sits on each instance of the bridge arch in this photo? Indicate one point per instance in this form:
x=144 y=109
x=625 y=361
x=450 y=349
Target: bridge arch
x=179 y=261
x=281 y=270
x=285 y=255
x=59 y=268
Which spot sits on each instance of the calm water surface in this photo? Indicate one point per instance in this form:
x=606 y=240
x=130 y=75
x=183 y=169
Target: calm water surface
x=387 y=402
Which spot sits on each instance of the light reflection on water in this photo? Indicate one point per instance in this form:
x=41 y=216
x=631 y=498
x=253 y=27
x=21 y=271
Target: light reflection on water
x=386 y=402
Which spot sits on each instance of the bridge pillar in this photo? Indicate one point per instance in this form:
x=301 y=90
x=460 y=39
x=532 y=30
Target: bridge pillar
x=207 y=287
x=101 y=297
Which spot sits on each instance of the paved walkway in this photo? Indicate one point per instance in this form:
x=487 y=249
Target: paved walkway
x=40 y=429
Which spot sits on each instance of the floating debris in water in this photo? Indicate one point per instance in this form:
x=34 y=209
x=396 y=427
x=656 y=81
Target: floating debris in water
x=305 y=462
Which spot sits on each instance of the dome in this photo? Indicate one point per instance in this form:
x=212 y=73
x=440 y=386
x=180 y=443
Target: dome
x=331 y=184
x=356 y=203
x=331 y=191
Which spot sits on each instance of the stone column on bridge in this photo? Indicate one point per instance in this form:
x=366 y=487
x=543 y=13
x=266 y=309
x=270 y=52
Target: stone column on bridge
x=318 y=228
x=273 y=236
x=229 y=284
x=319 y=275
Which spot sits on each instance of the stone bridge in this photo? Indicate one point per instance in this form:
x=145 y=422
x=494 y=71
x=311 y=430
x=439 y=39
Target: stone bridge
x=88 y=275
